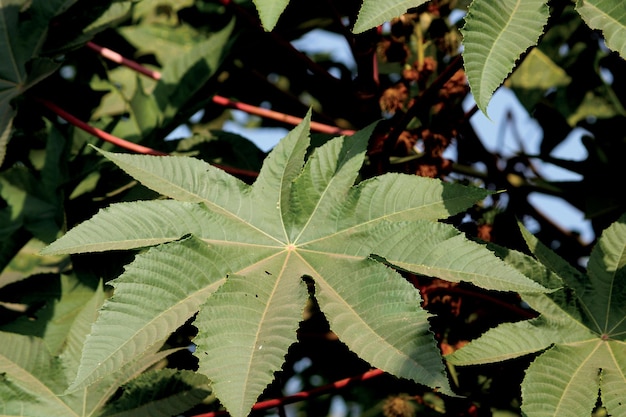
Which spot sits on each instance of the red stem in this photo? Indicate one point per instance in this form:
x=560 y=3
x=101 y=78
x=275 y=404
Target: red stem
x=303 y=395
x=101 y=134
x=115 y=57
x=281 y=117
x=223 y=101
x=122 y=143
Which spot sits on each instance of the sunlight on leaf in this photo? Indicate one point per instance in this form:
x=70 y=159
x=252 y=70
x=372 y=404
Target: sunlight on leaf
x=377 y=12
x=580 y=327
x=141 y=321
x=270 y=11
x=608 y=16
x=160 y=393
x=242 y=268
x=495 y=34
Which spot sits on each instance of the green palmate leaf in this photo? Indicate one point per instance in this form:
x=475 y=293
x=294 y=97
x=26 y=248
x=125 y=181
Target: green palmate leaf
x=581 y=327
x=188 y=71
x=609 y=16
x=495 y=34
x=270 y=11
x=536 y=74
x=256 y=243
x=151 y=9
x=377 y=12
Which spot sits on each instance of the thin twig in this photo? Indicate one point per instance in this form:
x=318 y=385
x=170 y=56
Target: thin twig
x=223 y=101
x=119 y=59
x=304 y=395
x=101 y=134
x=122 y=143
x=281 y=117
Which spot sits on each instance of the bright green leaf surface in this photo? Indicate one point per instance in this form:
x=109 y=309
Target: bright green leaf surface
x=582 y=326
x=608 y=16
x=495 y=34
x=270 y=11
x=132 y=321
x=377 y=12
x=257 y=242
x=562 y=382
x=32 y=380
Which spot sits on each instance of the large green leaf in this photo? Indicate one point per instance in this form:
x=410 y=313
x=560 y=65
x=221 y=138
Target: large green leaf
x=377 y=12
x=495 y=34
x=582 y=327
x=609 y=16
x=256 y=243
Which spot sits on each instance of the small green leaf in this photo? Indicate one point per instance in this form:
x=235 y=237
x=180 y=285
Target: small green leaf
x=608 y=16
x=377 y=12
x=495 y=34
x=270 y=11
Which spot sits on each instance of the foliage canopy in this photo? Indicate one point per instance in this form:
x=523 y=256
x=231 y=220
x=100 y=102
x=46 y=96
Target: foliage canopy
x=329 y=241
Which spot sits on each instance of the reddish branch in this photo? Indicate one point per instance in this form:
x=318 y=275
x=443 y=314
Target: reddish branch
x=281 y=117
x=115 y=57
x=223 y=101
x=122 y=143
x=304 y=395
x=101 y=134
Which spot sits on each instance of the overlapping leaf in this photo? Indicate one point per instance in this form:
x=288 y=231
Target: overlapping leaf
x=582 y=326
x=32 y=380
x=296 y=220
x=609 y=16
x=375 y=12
